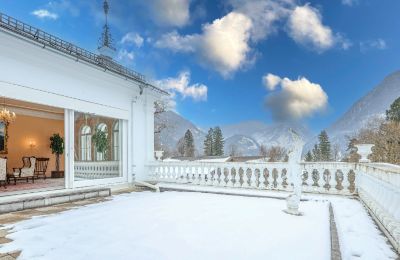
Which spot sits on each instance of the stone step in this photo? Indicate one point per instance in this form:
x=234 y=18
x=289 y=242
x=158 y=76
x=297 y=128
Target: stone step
x=42 y=199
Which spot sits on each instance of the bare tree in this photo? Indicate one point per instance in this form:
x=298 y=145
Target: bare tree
x=276 y=154
x=159 y=108
x=386 y=139
x=159 y=123
x=263 y=151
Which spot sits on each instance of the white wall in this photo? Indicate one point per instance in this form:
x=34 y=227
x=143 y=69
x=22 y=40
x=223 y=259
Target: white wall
x=31 y=73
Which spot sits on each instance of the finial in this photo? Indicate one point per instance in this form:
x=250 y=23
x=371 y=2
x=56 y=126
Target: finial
x=106 y=47
x=106 y=7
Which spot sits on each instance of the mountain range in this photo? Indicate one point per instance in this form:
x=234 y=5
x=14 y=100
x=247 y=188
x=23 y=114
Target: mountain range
x=247 y=137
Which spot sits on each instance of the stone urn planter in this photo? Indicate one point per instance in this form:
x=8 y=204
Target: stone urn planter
x=364 y=150
x=159 y=155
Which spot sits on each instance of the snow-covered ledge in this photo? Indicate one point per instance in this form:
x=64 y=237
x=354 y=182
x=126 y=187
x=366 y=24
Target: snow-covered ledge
x=379 y=189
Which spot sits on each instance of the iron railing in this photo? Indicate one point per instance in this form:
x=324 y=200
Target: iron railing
x=48 y=40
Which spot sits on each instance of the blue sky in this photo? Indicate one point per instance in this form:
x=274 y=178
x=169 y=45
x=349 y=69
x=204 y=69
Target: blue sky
x=321 y=56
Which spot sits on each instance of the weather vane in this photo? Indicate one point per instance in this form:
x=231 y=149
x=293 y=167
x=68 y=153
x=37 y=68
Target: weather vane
x=106 y=47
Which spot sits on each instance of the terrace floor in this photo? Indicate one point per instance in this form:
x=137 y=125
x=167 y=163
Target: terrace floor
x=27 y=187
x=183 y=225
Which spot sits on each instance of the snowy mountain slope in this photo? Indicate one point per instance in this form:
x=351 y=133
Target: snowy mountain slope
x=366 y=110
x=269 y=135
x=247 y=137
x=247 y=128
x=243 y=145
x=175 y=129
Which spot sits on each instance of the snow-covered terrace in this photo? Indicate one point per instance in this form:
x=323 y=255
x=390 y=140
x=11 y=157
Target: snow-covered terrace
x=180 y=225
x=371 y=188
x=233 y=211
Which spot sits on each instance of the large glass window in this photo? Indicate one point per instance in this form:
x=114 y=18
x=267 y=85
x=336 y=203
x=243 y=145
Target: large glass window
x=98 y=140
x=102 y=135
x=116 y=141
x=86 y=143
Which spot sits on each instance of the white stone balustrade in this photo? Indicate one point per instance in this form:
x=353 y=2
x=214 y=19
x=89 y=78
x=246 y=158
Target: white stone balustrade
x=333 y=178
x=379 y=188
x=96 y=170
x=271 y=176
x=329 y=177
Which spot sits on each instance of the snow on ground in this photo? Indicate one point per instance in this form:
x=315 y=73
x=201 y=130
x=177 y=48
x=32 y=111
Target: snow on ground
x=359 y=237
x=177 y=225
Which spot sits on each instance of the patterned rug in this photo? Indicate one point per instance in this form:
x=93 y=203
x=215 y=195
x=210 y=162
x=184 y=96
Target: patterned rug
x=25 y=187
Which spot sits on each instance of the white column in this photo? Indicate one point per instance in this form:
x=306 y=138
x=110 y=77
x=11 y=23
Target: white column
x=69 y=148
x=142 y=134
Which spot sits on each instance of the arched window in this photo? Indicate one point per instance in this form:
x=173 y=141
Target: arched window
x=103 y=128
x=86 y=143
x=116 y=141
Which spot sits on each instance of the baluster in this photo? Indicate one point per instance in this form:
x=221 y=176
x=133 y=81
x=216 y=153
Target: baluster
x=221 y=177
x=268 y=179
x=214 y=176
x=210 y=176
x=167 y=173
x=192 y=174
x=185 y=174
x=245 y=178
x=316 y=179
x=309 y=180
x=196 y=175
x=261 y=179
x=253 y=178
x=230 y=178
x=237 y=178
x=161 y=177
x=279 y=179
x=203 y=175
x=345 y=182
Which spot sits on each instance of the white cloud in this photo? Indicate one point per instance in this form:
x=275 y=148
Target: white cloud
x=264 y=15
x=178 y=43
x=133 y=38
x=296 y=99
x=223 y=44
x=271 y=81
x=377 y=44
x=306 y=28
x=45 y=14
x=170 y=12
x=181 y=85
x=126 y=56
x=350 y=2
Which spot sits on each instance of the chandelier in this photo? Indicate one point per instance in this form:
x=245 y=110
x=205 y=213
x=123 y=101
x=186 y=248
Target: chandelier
x=6 y=115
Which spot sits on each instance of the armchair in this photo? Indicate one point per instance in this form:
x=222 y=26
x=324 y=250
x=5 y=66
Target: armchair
x=27 y=171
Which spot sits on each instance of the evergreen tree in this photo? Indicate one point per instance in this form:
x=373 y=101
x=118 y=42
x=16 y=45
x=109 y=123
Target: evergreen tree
x=393 y=114
x=324 y=147
x=218 y=142
x=189 y=144
x=352 y=151
x=309 y=157
x=208 y=143
x=316 y=154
